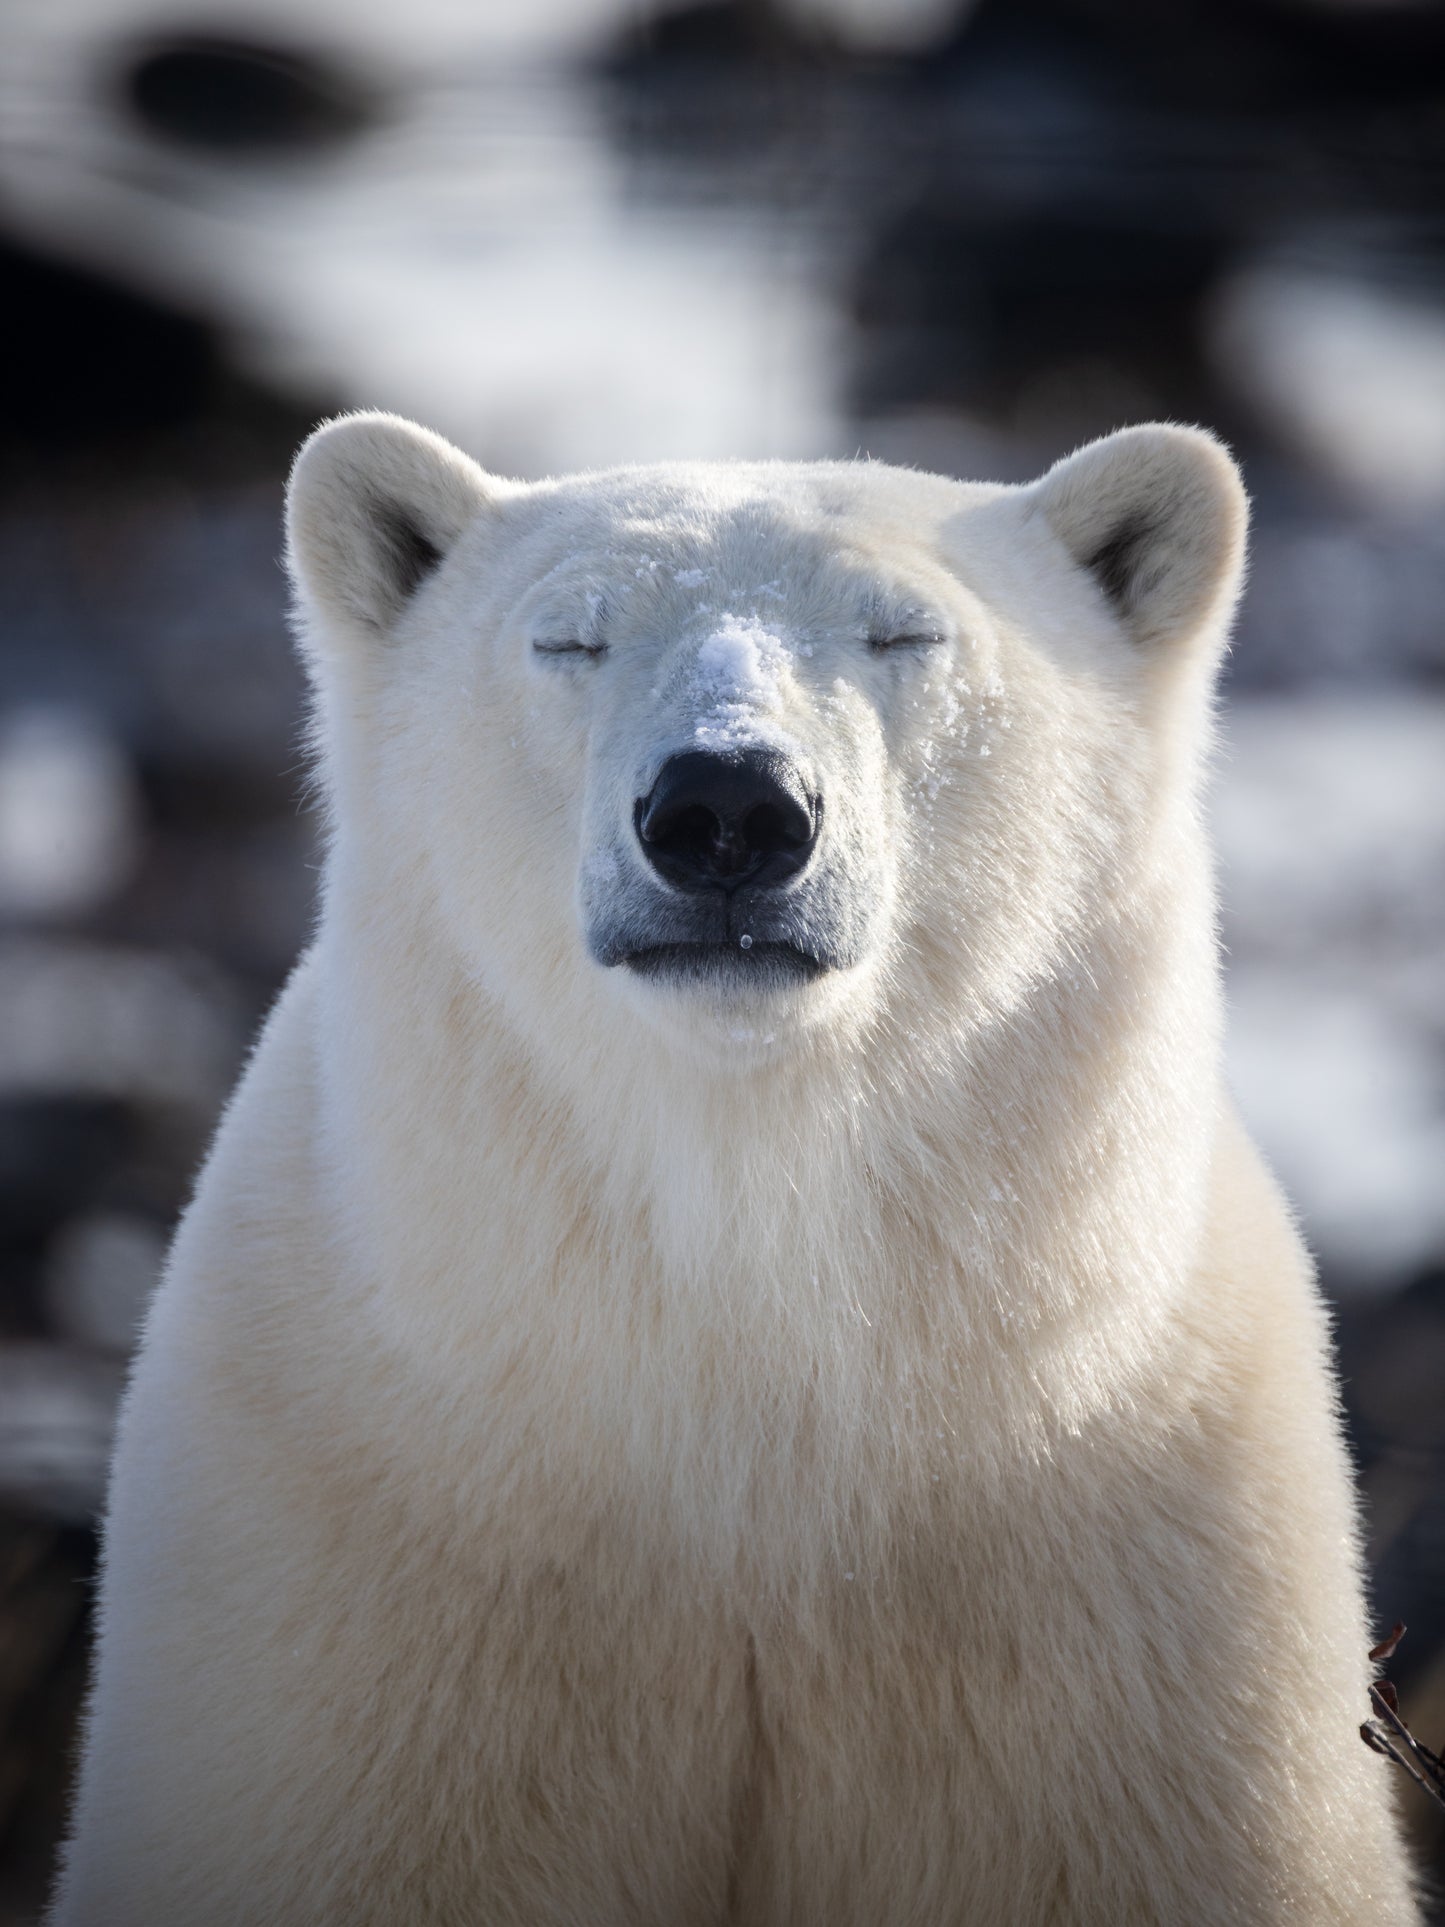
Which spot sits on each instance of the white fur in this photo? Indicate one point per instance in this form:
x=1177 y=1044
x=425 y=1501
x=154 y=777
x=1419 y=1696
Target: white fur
x=856 y=1452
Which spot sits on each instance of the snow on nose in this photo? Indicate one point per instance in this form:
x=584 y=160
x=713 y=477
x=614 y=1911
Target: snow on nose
x=736 y=691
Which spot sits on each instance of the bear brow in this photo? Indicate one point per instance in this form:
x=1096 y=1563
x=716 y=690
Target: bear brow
x=884 y=614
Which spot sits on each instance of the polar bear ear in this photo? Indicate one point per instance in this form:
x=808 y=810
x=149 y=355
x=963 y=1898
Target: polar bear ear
x=1156 y=516
x=374 y=504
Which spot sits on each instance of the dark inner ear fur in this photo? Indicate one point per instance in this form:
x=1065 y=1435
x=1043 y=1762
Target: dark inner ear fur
x=408 y=555
x=1115 y=564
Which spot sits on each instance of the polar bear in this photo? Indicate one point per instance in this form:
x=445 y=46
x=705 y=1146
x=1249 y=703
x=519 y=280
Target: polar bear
x=731 y=1361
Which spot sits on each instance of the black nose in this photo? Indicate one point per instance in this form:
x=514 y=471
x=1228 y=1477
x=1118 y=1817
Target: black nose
x=716 y=821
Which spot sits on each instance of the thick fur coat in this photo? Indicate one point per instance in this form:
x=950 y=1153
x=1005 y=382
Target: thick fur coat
x=813 y=1416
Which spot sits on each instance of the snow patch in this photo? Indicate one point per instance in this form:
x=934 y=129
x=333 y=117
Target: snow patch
x=737 y=682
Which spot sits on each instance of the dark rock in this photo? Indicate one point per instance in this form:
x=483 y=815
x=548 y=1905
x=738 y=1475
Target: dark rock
x=208 y=90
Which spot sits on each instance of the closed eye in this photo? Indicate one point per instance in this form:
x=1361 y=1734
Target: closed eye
x=905 y=639
x=570 y=646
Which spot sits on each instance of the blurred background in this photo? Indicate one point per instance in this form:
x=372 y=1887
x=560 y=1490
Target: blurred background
x=569 y=232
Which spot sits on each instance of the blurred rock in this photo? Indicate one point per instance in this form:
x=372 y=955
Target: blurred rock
x=895 y=28
x=57 y=1153
x=44 y=1615
x=1338 y=598
x=158 y=366
x=1345 y=1097
x=68 y=813
x=160 y=613
x=1076 y=313
x=101 y=1271
x=57 y=1421
x=1393 y=1356
x=1330 y=813
x=83 y=1019
x=1350 y=371
x=239 y=96
x=1330 y=817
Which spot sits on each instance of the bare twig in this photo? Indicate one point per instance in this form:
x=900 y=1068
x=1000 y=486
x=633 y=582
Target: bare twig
x=1386 y=1647
x=1388 y=1733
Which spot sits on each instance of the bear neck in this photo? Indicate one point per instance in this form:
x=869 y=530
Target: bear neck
x=1023 y=1206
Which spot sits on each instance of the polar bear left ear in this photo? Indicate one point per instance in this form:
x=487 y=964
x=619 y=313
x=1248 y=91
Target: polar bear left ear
x=1157 y=517
x=374 y=504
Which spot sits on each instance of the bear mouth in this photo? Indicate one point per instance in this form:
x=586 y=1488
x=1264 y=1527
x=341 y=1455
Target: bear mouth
x=731 y=962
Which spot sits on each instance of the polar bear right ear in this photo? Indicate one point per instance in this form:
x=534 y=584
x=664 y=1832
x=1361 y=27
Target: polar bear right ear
x=373 y=506
x=1156 y=517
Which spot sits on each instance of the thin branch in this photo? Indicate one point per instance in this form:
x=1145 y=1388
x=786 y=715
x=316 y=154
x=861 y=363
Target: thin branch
x=1424 y=1766
x=1386 y=1647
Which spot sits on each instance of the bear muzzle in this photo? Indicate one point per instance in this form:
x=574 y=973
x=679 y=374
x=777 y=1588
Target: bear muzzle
x=732 y=890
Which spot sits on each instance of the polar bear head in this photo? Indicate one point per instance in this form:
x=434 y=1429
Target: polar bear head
x=725 y=749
